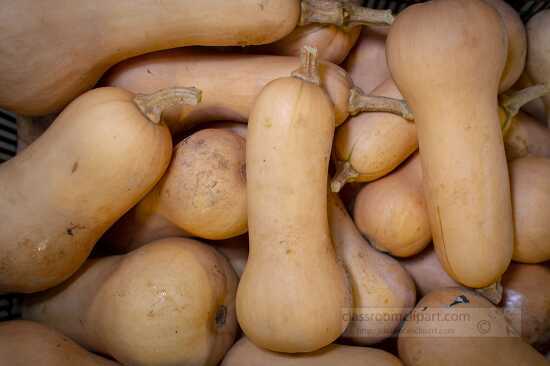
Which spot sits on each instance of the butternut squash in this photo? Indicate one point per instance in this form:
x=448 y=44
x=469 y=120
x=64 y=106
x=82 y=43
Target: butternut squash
x=29 y=129
x=370 y=145
x=526 y=300
x=526 y=136
x=538 y=52
x=24 y=343
x=391 y=212
x=366 y=63
x=454 y=326
x=245 y=353
x=236 y=251
x=292 y=263
x=517 y=43
x=525 y=292
x=170 y=302
x=230 y=82
x=49 y=73
x=383 y=292
x=529 y=179
x=451 y=84
x=99 y=158
x=235 y=127
x=427 y=272
x=332 y=43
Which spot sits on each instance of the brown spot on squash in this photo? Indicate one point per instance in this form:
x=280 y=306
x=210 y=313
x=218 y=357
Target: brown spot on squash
x=74 y=168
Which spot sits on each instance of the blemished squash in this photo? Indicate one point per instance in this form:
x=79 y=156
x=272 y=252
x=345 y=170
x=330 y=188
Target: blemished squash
x=452 y=319
x=24 y=343
x=538 y=52
x=451 y=84
x=517 y=43
x=203 y=191
x=292 y=263
x=366 y=63
x=370 y=145
x=170 y=302
x=530 y=177
x=391 y=212
x=526 y=300
x=98 y=159
x=245 y=353
x=383 y=292
x=230 y=82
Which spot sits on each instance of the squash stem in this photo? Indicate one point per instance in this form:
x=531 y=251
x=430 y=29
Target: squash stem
x=513 y=101
x=344 y=174
x=493 y=292
x=152 y=105
x=309 y=66
x=359 y=102
x=342 y=14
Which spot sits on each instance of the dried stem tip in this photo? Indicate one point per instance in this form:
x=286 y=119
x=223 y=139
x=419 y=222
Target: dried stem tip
x=493 y=292
x=359 y=102
x=152 y=105
x=512 y=102
x=309 y=66
x=342 y=14
x=344 y=174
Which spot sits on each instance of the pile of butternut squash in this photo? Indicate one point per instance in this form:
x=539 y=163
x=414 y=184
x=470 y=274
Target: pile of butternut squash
x=259 y=182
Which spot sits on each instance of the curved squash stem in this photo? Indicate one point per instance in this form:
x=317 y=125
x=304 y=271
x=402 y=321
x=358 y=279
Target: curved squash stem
x=342 y=14
x=309 y=66
x=513 y=101
x=359 y=102
x=344 y=174
x=152 y=105
x=493 y=292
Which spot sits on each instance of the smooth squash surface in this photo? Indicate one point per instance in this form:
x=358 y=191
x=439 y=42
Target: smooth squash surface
x=391 y=212
x=230 y=82
x=292 y=263
x=376 y=143
x=527 y=136
x=245 y=353
x=98 y=159
x=530 y=177
x=44 y=73
x=170 y=302
x=383 y=292
x=451 y=84
x=481 y=334
x=24 y=343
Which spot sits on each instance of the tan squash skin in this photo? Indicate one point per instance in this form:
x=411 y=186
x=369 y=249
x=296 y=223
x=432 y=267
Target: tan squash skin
x=235 y=127
x=245 y=353
x=500 y=346
x=527 y=136
x=391 y=212
x=292 y=263
x=24 y=343
x=381 y=287
x=204 y=189
x=517 y=43
x=65 y=192
x=530 y=177
x=427 y=272
x=230 y=82
x=236 y=251
x=366 y=63
x=462 y=153
x=526 y=300
x=376 y=143
x=538 y=52
x=332 y=43
x=170 y=302
x=49 y=73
